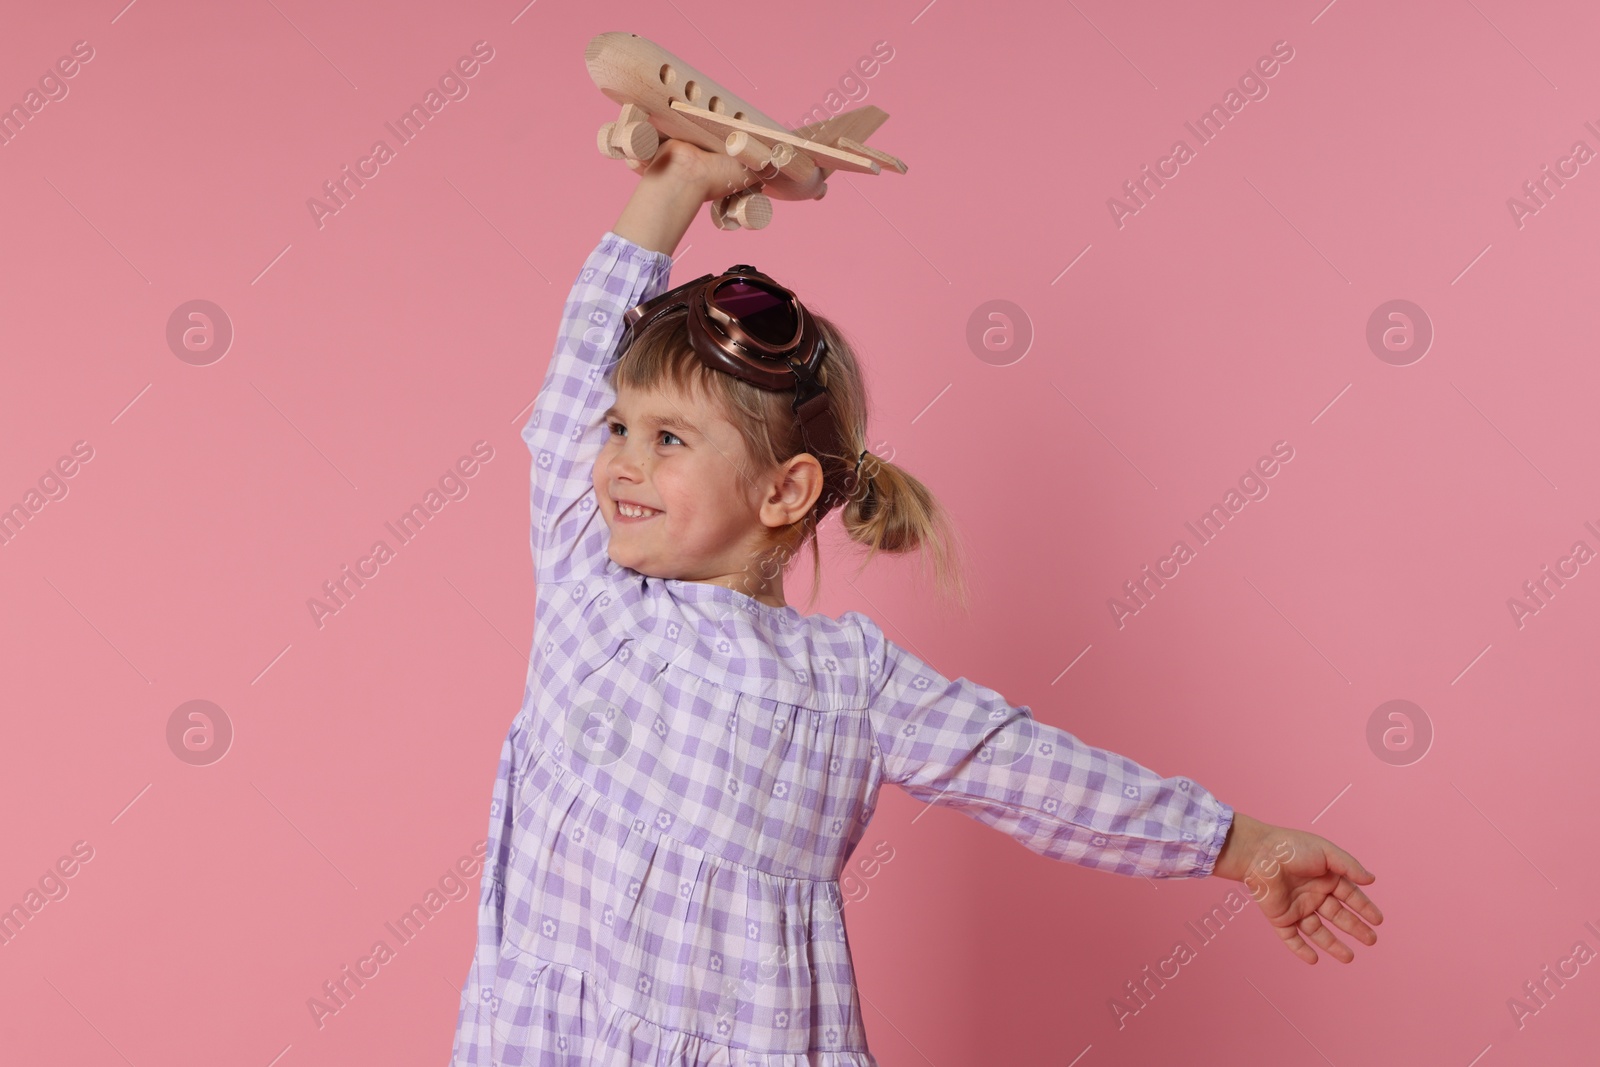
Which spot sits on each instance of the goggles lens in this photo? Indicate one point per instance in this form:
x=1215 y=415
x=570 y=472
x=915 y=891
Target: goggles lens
x=767 y=316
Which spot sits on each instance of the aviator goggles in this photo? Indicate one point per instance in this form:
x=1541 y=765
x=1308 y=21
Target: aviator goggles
x=743 y=323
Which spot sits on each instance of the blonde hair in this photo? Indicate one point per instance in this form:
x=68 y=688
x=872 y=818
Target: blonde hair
x=889 y=510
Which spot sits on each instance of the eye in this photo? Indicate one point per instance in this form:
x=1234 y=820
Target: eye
x=619 y=430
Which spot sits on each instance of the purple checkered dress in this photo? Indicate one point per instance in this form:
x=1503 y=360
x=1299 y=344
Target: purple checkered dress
x=691 y=769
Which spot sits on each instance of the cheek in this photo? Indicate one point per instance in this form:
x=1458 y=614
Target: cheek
x=674 y=484
x=677 y=495
x=692 y=520
x=706 y=507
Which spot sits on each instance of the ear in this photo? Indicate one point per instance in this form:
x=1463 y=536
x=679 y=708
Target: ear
x=795 y=487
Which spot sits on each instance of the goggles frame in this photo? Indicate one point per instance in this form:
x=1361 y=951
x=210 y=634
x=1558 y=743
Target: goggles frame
x=722 y=343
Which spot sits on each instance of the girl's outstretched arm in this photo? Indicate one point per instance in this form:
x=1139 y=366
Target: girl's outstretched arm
x=962 y=744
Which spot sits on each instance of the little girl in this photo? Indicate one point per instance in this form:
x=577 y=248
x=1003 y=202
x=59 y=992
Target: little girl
x=695 y=760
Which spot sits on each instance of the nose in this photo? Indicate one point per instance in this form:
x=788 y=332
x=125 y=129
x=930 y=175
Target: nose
x=623 y=464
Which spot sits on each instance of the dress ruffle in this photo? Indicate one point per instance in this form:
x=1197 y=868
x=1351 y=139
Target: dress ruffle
x=555 y=1016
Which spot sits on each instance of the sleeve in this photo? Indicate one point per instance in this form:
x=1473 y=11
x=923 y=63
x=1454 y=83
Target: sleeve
x=959 y=743
x=565 y=433
x=474 y=1043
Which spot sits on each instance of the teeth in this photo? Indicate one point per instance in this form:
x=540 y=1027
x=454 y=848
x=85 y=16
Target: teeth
x=635 y=512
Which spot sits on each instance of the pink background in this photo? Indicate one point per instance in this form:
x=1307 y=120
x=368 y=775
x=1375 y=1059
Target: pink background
x=1230 y=313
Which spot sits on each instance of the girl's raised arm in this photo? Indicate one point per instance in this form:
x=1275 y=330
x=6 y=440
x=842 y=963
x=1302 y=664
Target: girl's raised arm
x=631 y=263
x=565 y=431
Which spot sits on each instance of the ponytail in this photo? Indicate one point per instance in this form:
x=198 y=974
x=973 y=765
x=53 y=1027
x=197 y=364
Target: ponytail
x=892 y=511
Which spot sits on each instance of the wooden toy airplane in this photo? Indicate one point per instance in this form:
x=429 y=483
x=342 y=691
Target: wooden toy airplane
x=662 y=96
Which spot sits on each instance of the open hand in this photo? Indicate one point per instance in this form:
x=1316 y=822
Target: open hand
x=1302 y=883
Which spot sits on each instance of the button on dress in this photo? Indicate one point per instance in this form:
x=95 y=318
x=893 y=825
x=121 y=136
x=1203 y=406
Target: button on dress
x=691 y=769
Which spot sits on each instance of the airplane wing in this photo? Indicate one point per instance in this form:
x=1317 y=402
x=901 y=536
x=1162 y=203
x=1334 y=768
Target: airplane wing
x=857 y=125
x=855 y=158
x=849 y=130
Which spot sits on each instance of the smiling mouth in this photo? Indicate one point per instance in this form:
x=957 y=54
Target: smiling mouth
x=646 y=517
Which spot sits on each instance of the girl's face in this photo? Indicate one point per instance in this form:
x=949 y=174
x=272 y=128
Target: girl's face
x=675 y=454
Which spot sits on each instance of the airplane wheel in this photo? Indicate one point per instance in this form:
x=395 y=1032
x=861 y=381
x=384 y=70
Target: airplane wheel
x=750 y=209
x=630 y=140
x=638 y=140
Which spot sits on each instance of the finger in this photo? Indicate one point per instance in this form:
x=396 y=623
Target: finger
x=1292 y=942
x=1313 y=927
x=1346 y=920
x=1341 y=862
x=1357 y=901
x=1309 y=895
